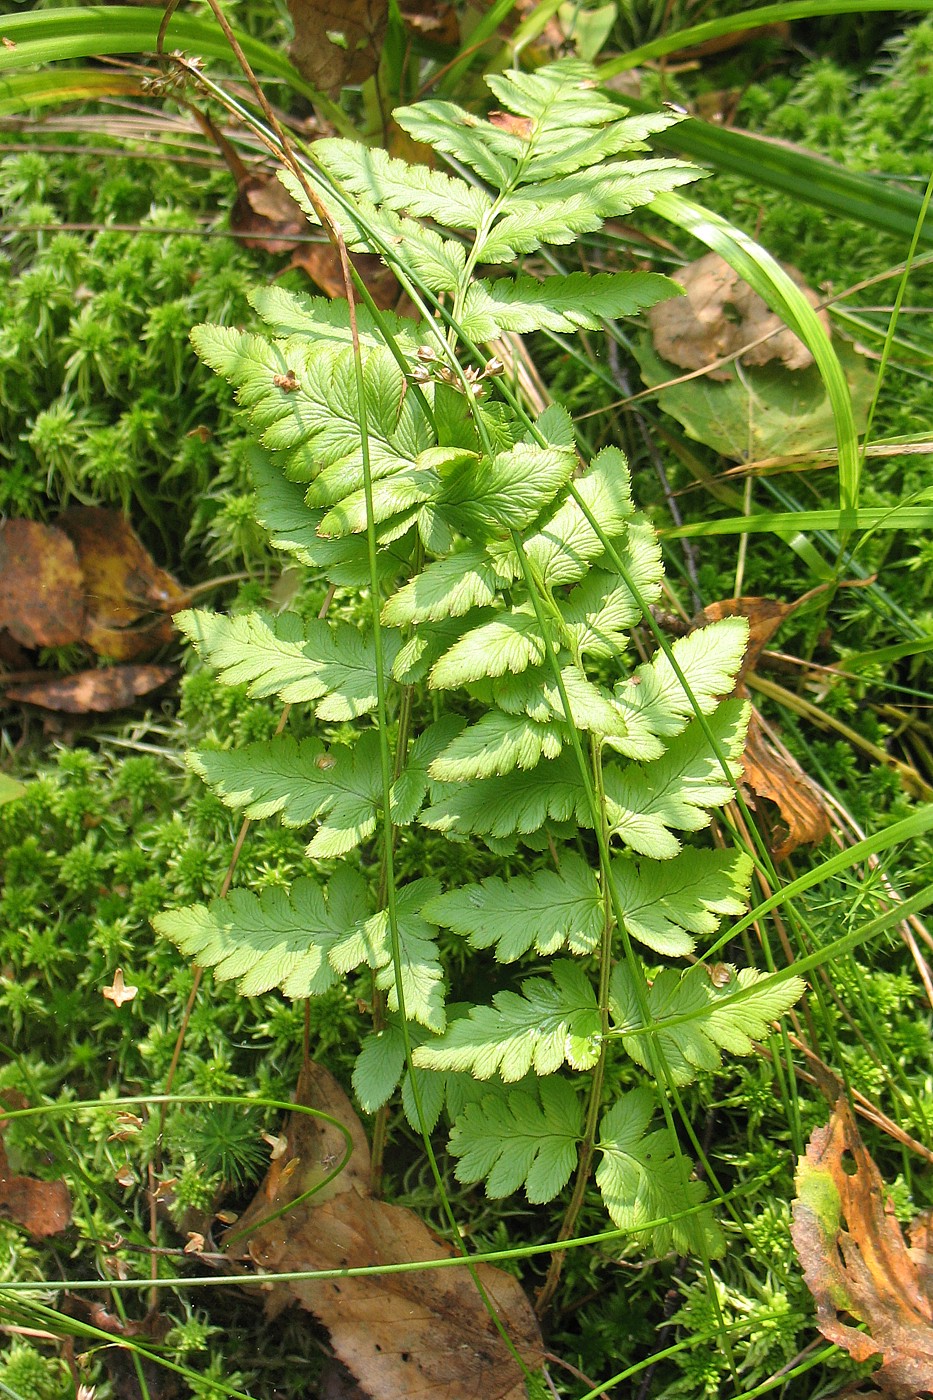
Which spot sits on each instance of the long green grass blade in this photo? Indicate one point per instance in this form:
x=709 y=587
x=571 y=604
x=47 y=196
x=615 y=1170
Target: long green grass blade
x=772 y=283
x=813 y=178
x=677 y=39
x=786 y=522
x=47 y=36
x=55 y=86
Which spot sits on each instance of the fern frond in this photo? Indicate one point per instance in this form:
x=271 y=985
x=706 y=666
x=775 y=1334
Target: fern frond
x=692 y=1020
x=577 y=301
x=665 y=902
x=677 y=790
x=549 y=910
x=277 y=939
x=601 y=609
x=510 y=642
x=422 y=977
x=643 y=1184
x=291 y=314
x=497 y=744
x=372 y=175
x=340 y=789
x=549 y=1023
x=526 y=1137
x=518 y=804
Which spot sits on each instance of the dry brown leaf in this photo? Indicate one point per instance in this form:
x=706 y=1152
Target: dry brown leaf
x=764 y=616
x=322 y=264
x=425 y=1332
x=41 y=585
x=856 y=1263
x=769 y=774
x=121 y=579
x=93 y=692
x=337 y=44
x=436 y=20
x=41 y=1207
x=720 y=314
x=265 y=216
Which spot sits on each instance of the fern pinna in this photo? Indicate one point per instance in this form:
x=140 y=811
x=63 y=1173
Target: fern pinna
x=477 y=680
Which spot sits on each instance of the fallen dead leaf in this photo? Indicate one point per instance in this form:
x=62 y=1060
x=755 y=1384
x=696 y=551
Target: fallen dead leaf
x=322 y=264
x=41 y=1207
x=122 y=581
x=93 y=692
x=119 y=1362
x=764 y=616
x=856 y=1263
x=719 y=314
x=41 y=585
x=435 y=20
x=337 y=45
x=265 y=216
x=767 y=773
x=425 y=1332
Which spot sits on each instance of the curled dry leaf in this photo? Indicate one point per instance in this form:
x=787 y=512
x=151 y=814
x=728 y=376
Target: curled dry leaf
x=265 y=216
x=766 y=771
x=337 y=43
x=122 y=581
x=425 y=1332
x=41 y=585
x=857 y=1264
x=41 y=1207
x=322 y=264
x=719 y=314
x=93 y=692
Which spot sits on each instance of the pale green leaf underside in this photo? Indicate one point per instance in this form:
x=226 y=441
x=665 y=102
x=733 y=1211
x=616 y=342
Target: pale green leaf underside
x=692 y=1020
x=526 y=1137
x=280 y=938
x=549 y=910
x=549 y=1023
x=644 y=1183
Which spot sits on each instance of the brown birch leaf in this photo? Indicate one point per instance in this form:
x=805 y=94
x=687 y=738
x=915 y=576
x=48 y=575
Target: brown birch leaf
x=41 y=585
x=423 y=1333
x=41 y=1207
x=337 y=45
x=769 y=774
x=93 y=692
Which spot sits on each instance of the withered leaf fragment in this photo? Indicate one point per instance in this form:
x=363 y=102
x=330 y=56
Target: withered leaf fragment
x=93 y=692
x=720 y=314
x=41 y=1207
x=424 y=1333
x=265 y=216
x=41 y=585
x=122 y=581
x=337 y=42
x=856 y=1263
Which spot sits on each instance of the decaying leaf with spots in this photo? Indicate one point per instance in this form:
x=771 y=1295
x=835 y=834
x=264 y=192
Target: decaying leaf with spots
x=337 y=43
x=93 y=692
x=857 y=1264
x=41 y=1207
x=41 y=585
x=424 y=1333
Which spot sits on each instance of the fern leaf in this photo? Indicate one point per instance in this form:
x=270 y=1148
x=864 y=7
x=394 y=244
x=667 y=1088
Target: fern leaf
x=467 y=578
x=520 y=803
x=507 y=492
x=601 y=609
x=510 y=642
x=577 y=301
x=294 y=660
x=372 y=175
x=654 y=701
x=411 y=786
x=678 y=789
x=565 y=546
x=644 y=1185
x=422 y=978
x=497 y=744
x=665 y=902
x=277 y=939
x=549 y=910
x=692 y=1020
x=536 y=694
x=341 y=790
x=379 y=1067
x=293 y=314
x=474 y=142
x=549 y=1023
x=526 y=1137
x=292 y=526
